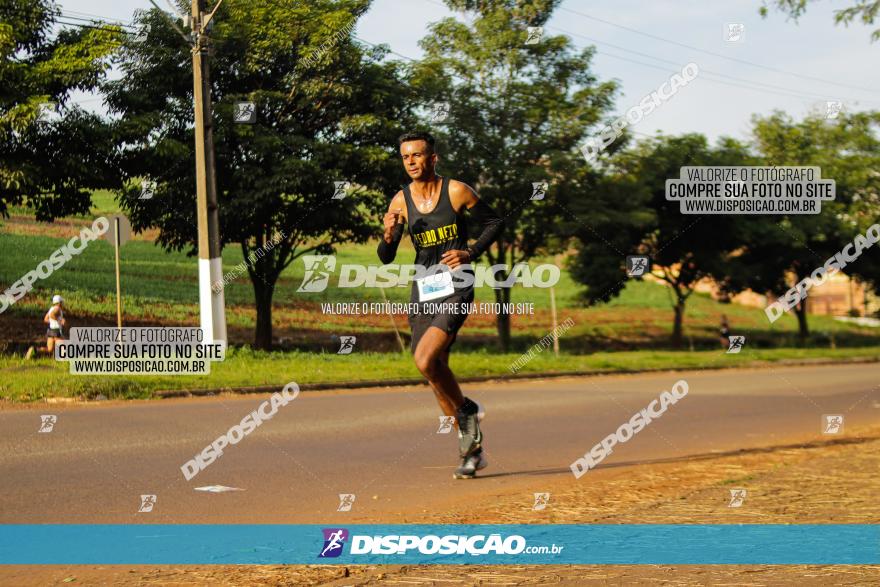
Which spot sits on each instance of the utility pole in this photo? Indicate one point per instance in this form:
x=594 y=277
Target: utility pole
x=211 y=303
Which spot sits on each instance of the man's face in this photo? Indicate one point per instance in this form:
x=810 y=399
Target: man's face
x=418 y=160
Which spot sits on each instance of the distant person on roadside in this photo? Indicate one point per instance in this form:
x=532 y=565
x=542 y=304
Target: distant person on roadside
x=55 y=319
x=725 y=332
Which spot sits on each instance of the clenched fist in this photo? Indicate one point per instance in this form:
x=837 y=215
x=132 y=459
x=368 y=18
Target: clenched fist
x=391 y=220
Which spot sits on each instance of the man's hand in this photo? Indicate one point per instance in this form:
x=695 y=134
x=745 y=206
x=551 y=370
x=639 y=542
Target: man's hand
x=391 y=219
x=453 y=259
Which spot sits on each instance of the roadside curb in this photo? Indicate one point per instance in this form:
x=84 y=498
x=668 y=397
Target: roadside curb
x=372 y=383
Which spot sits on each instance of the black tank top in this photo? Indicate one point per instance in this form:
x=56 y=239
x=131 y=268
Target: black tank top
x=436 y=232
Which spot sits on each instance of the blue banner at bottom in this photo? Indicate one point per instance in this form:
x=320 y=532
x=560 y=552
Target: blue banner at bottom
x=620 y=544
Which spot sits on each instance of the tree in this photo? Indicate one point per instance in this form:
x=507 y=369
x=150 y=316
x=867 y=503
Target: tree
x=517 y=113
x=326 y=110
x=50 y=164
x=779 y=252
x=631 y=216
x=863 y=10
x=863 y=210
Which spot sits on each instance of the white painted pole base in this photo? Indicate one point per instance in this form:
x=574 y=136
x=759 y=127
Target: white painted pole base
x=211 y=303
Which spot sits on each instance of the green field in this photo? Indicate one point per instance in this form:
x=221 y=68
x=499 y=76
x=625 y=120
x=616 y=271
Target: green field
x=161 y=288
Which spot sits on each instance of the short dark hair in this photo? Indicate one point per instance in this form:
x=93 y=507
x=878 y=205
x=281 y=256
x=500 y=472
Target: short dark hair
x=416 y=136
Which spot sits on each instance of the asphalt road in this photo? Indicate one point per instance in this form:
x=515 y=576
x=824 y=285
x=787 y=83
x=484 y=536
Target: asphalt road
x=382 y=445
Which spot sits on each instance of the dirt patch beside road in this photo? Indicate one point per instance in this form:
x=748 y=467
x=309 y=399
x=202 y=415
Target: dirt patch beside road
x=833 y=480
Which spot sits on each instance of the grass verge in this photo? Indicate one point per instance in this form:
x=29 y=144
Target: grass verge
x=26 y=381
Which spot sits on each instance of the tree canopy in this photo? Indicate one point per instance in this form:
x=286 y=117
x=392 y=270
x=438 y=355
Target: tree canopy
x=326 y=110
x=53 y=154
x=517 y=112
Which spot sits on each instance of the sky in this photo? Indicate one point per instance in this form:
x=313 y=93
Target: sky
x=776 y=64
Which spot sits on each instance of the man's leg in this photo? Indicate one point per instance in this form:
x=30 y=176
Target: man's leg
x=446 y=405
x=432 y=360
x=49 y=349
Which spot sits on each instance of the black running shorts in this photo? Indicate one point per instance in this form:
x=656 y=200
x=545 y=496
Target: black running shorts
x=448 y=322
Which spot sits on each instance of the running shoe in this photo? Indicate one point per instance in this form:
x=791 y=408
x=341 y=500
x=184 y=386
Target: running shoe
x=470 y=464
x=468 y=417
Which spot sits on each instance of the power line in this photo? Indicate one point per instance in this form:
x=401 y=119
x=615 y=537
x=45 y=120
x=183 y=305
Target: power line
x=94 y=27
x=773 y=89
x=780 y=91
x=102 y=22
x=714 y=54
x=94 y=16
x=788 y=91
x=788 y=94
x=53 y=15
x=654 y=66
x=736 y=82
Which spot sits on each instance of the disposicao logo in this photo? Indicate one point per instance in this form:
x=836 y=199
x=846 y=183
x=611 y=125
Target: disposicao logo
x=318 y=271
x=334 y=539
x=431 y=544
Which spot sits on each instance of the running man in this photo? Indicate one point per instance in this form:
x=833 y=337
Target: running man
x=432 y=207
x=55 y=319
x=725 y=332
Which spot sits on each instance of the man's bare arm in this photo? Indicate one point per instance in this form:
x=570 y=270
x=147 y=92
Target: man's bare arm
x=461 y=195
